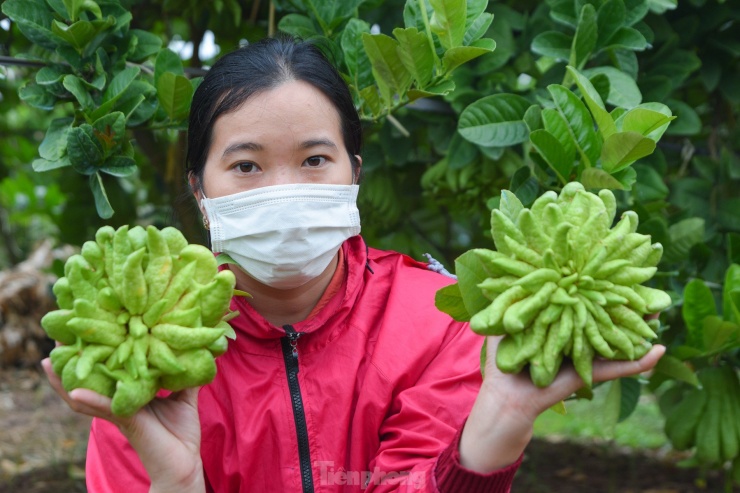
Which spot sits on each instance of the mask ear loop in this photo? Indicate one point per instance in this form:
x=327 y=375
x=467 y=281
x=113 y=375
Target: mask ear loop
x=206 y=224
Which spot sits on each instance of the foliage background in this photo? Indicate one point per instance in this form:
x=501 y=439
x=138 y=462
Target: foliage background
x=428 y=186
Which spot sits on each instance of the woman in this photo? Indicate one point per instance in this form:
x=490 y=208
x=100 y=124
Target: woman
x=343 y=375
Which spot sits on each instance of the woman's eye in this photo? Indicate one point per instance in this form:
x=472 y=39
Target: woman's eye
x=246 y=167
x=315 y=161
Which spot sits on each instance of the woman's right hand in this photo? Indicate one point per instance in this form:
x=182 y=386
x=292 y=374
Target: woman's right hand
x=165 y=433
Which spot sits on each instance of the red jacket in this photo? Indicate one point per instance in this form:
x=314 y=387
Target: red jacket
x=373 y=398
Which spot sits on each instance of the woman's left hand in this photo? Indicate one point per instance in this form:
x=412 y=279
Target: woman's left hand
x=500 y=424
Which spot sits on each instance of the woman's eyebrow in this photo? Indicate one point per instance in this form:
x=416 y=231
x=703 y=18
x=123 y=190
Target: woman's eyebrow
x=241 y=146
x=307 y=144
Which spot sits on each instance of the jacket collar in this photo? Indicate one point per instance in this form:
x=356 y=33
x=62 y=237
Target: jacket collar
x=251 y=327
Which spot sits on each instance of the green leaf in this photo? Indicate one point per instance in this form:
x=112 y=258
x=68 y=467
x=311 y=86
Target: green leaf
x=623 y=90
x=75 y=86
x=676 y=370
x=167 y=61
x=51 y=74
x=388 y=69
x=495 y=120
x=54 y=145
x=595 y=178
x=649 y=119
x=449 y=300
x=629 y=38
x=650 y=185
x=609 y=19
x=594 y=102
x=34 y=20
x=687 y=120
x=461 y=152
x=110 y=130
x=454 y=57
x=719 y=334
x=683 y=235
x=355 y=58
x=41 y=165
x=174 y=93
x=554 y=154
x=74 y=7
x=102 y=204
x=612 y=408
x=626 y=177
x=470 y=272
x=585 y=38
x=120 y=83
x=533 y=117
x=148 y=44
x=81 y=33
x=553 y=44
x=299 y=26
x=478 y=28
x=580 y=123
x=630 y=396
x=730 y=308
x=698 y=304
x=119 y=166
x=441 y=89
x=37 y=96
x=624 y=148
x=524 y=185
x=84 y=150
x=636 y=10
x=661 y=6
x=448 y=21
x=555 y=123
x=415 y=54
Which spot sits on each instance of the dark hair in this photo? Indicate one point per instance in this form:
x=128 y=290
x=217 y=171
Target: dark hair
x=258 y=67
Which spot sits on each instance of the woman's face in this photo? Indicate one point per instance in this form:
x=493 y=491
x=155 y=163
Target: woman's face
x=285 y=135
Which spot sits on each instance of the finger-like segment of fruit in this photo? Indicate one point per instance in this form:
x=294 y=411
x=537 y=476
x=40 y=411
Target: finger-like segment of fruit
x=206 y=264
x=201 y=368
x=508 y=354
x=75 y=271
x=179 y=283
x=131 y=395
x=634 y=300
x=183 y=338
x=96 y=380
x=88 y=309
x=489 y=320
x=63 y=293
x=501 y=227
x=175 y=240
x=162 y=357
x=520 y=314
x=524 y=253
x=653 y=258
x=533 y=281
x=157 y=276
x=582 y=355
x=91 y=354
x=120 y=355
x=185 y=318
x=134 y=288
x=655 y=299
x=92 y=252
x=97 y=331
x=55 y=325
x=121 y=250
x=491 y=287
x=542 y=377
x=61 y=355
x=536 y=237
x=618 y=340
x=597 y=341
x=216 y=296
x=631 y=321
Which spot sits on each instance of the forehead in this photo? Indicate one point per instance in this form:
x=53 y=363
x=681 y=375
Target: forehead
x=295 y=107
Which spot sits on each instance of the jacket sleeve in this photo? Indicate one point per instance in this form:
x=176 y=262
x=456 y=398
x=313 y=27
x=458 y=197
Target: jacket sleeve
x=112 y=465
x=419 y=447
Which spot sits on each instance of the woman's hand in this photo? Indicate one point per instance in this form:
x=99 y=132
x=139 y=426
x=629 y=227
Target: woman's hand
x=500 y=424
x=165 y=433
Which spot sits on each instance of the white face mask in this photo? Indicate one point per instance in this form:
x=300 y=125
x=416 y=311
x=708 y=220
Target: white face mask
x=284 y=235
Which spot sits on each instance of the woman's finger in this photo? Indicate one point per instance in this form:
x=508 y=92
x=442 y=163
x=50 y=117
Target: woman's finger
x=610 y=370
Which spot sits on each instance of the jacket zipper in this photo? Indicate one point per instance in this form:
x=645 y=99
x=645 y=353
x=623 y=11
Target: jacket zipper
x=290 y=355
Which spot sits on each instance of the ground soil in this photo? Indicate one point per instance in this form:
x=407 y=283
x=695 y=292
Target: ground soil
x=42 y=448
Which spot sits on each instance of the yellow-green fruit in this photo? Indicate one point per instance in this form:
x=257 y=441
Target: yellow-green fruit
x=564 y=254
x=141 y=310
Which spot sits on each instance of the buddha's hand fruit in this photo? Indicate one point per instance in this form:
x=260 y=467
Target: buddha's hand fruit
x=139 y=310
x=564 y=283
